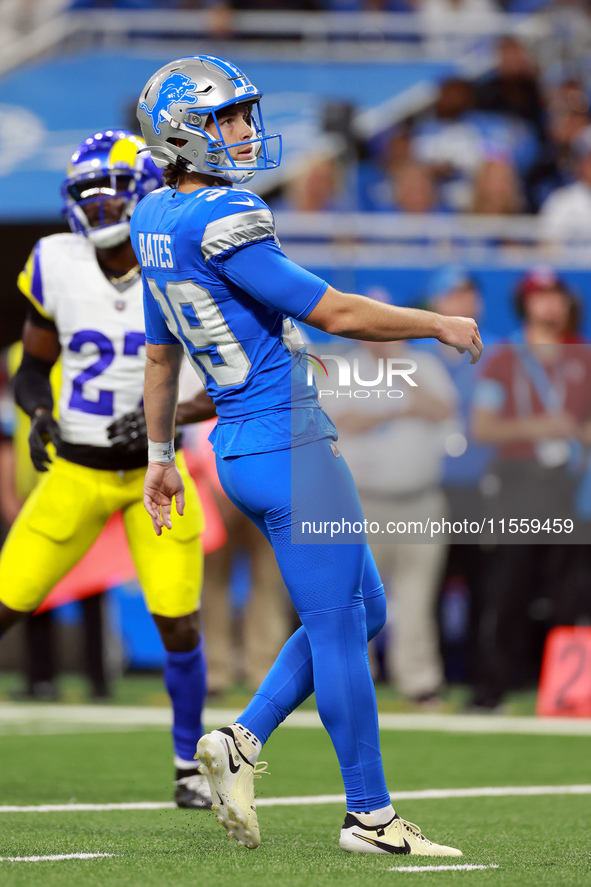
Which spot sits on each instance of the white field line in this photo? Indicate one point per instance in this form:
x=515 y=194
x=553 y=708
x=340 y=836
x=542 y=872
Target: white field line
x=56 y=858
x=26 y=718
x=431 y=794
x=440 y=868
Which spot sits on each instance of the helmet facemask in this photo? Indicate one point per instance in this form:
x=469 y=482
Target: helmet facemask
x=218 y=158
x=106 y=168
x=88 y=214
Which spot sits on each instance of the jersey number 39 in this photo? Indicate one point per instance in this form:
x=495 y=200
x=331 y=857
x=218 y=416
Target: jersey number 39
x=191 y=310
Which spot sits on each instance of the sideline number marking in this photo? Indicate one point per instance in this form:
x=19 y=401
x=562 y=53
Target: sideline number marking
x=565 y=680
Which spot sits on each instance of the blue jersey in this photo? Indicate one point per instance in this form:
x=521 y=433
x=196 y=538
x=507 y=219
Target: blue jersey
x=216 y=280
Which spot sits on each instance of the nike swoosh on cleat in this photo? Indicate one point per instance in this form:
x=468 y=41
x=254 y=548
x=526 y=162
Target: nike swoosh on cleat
x=234 y=768
x=389 y=848
x=244 y=758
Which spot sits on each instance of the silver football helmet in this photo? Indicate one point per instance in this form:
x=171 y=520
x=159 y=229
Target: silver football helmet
x=177 y=103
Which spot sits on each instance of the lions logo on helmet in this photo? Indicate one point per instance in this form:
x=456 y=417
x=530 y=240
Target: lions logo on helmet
x=105 y=179
x=180 y=100
x=175 y=88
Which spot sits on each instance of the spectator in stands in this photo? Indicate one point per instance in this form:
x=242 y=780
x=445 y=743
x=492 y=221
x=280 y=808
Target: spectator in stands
x=513 y=87
x=454 y=291
x=125 y=4
x=567 y=112
x=387 y=153
x=445 y=23
x=368 y=5
x=455 y=139
x=450 y=143
x=567 y=211
x=386 y=5
x=317 y=188
x=276 y=5
x=414 y=190
x=497 y=189
x=533 y=402
x=410 y=187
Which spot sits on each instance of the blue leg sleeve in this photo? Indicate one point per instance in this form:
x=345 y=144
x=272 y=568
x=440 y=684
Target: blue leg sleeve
x=185 y=679
x=291 y=678
x=346 y=702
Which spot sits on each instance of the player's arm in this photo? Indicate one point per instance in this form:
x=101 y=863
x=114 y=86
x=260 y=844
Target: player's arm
x=357 y=317
x=163 y=481
x=32 y=387
x=199 y=409
x=262 y=270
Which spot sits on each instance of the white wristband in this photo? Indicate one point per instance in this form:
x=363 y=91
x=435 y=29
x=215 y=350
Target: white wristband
x=161 y=452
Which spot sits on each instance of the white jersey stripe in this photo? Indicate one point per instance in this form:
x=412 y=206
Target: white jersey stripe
x=236 y=230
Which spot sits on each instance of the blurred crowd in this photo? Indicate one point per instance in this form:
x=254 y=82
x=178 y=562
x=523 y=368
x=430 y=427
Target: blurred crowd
x=430 y=6
x=507 y=144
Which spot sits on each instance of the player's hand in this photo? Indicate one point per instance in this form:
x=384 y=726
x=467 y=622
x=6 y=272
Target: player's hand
x=44 y=428
x=163 y=483
x=462 y=334
x=129 y=432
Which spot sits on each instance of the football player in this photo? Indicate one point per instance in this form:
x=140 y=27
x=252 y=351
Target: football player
x=217 y=285
x=85 y=299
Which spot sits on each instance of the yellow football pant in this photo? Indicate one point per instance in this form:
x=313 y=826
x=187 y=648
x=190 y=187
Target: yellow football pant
x=65 y=514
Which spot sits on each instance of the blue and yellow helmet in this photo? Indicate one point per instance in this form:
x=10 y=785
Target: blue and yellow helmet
x=103 y=167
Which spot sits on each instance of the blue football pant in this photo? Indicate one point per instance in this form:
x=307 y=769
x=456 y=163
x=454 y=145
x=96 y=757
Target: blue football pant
x=338 y=596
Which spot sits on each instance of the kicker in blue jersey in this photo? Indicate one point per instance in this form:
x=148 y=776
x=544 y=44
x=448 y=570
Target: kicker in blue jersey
x=216 y=280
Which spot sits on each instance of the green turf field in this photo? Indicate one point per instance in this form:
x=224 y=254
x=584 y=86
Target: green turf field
x=533 y=840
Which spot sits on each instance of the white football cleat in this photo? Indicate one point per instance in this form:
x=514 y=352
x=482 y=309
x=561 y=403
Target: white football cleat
x=192 y=792
x=223 y=756
x=398 y=837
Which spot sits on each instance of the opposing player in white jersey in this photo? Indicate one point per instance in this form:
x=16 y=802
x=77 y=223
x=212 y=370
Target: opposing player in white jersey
x=86 y=304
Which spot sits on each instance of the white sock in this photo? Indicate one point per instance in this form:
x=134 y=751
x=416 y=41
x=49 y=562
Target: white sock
x=376 y=817
x=181 y=764
x=256 y=744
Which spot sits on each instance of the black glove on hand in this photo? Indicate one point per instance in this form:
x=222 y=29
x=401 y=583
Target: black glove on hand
x=129 y=432
x=44 y=428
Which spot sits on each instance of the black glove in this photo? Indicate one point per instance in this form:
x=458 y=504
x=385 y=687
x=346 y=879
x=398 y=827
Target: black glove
x=44 y=428
x=129 y=432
